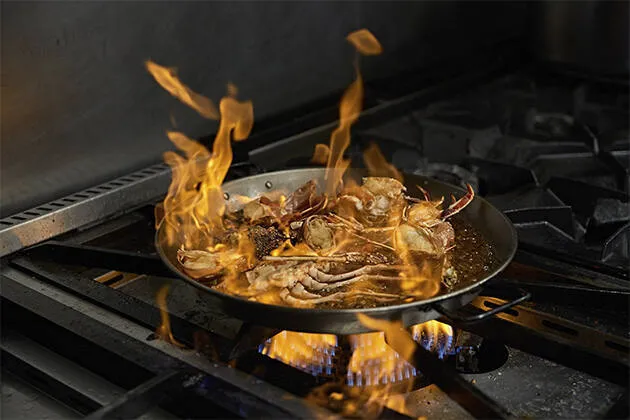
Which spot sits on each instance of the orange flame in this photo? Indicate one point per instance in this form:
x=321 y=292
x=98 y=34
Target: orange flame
x=375 y=361
x=299 y=349
x=398 y=338
x=365 y=42
x=395 y=334
x=167 y=78
x=321 y=154
x=194 y=205
x=349 y=110
x=164 y=330
x=377 y=165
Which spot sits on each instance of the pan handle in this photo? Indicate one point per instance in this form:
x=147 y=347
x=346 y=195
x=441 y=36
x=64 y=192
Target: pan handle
x=524 y=295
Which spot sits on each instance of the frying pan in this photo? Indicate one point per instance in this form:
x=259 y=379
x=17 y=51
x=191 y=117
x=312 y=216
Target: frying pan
x=490 y=222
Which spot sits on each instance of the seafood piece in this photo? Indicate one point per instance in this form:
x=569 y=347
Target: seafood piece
x=424 y=213
x=204 y=264
x=292 y=300
x=300 y=282
x=258 y=278
x=378 y=202
x=359 y=258
x=428 y=213
x=383 y=186
x=460 y=204
x=198 y=264
x=270 y=209
x=303 y=202
x=435 y=241
x=317 y=234
x=302 y=198
x=415 y=239
x=255 y=212
x=427 y=230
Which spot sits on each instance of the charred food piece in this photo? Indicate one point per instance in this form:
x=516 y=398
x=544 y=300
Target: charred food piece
x=265 y=239
x=296 y=236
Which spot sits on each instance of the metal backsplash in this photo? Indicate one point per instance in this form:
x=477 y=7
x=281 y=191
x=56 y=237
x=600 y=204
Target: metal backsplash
x=78 y=108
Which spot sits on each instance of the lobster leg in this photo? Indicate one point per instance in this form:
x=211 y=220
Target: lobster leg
x=459 y=205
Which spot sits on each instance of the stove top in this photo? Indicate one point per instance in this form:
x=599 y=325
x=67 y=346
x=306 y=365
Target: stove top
x=80 y=310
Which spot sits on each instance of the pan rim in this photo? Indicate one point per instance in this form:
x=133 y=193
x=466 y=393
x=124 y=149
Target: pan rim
x=513 y=243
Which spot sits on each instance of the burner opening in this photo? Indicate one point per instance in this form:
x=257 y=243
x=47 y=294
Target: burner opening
x=477 y=355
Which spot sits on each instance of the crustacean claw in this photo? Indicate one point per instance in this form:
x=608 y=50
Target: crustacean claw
x=460 y=204
x=425 y=193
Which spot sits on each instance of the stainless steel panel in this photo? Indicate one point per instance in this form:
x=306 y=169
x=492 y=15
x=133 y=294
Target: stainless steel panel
x=80 y=209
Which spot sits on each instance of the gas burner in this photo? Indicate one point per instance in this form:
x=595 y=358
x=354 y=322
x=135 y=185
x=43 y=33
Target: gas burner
x=452 y=174
x=366 y=360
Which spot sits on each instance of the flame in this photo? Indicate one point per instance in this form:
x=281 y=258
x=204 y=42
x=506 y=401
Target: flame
x=377 y=165
x=401 y=344
x=374 y=363
x=421 y=278
x=167 y=78
x=379 y=372
x=288 y=249
x=395 y=334
x=434 y=336
x=321 y=154
x=194 y=205
x=301 y=349
x=164 y=330
x=365 y=42
x=349 y=110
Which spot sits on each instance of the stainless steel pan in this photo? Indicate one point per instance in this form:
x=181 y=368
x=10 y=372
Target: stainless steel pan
x=495 y=227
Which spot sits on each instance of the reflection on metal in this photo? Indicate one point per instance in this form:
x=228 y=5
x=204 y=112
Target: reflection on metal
x=116 y=279
x=563 y=330
x=82 y=208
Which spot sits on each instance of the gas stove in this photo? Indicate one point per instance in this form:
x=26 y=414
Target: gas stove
x=81 y=279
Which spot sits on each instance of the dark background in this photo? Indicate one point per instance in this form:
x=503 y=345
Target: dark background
x=78 y=107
